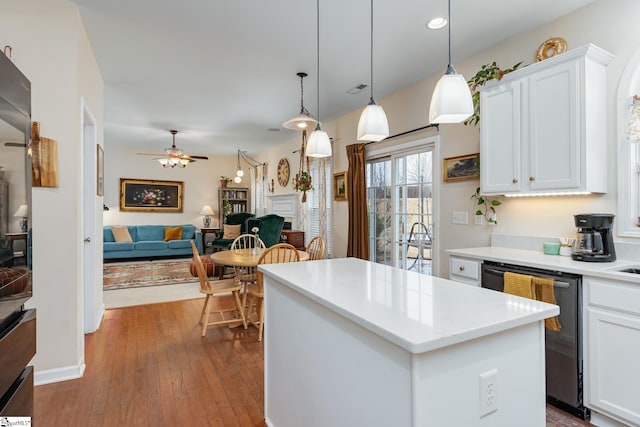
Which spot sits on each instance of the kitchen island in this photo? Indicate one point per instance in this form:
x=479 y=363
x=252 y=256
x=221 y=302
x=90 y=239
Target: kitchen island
x=349 y=342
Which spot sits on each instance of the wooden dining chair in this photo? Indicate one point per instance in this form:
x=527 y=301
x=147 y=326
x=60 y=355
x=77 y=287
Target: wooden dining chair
x=282 y=252
x=316 y=248
x=246 y=275
x=213 y=290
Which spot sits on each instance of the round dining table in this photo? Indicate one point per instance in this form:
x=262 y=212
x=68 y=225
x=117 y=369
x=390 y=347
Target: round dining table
x=244 y=257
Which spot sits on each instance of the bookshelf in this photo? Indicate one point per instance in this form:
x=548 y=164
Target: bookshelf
x=236 y=198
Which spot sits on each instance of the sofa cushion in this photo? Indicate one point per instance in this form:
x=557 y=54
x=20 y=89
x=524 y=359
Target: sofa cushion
x=173 y=233
x=179 y=244
x=117 y=246
x=150 y=233
x=155 y=245
x=188 y=231
x=231 y=231
x=121 y=233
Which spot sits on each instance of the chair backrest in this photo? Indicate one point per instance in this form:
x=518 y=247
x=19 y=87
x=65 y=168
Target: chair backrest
x=205 y=286
x=270 y=227
x=282 y=252
x=239 y=218
x=316 y=248
x=245 y=241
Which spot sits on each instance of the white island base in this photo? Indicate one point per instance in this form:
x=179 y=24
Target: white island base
x=351 y=343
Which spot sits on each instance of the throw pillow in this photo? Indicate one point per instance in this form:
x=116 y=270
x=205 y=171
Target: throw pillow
x=121 y=233
x=173 y=233
x=231 y=231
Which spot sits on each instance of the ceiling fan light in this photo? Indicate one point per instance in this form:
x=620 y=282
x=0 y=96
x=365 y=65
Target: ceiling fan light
x=164 y=162
x=237 y=180
x=319 y=144
x=184 y=162
x=451 y=100
x=300 y=122
x=373 y=124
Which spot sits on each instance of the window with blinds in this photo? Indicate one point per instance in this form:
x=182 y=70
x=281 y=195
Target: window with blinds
x=318 y=200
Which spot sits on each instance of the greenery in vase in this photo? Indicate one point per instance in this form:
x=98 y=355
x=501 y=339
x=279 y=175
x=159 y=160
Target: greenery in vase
x=486 y=73
x=486 y=206
x=226 y=209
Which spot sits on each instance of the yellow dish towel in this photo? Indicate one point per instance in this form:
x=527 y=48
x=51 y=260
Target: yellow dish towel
x=544 y=292
x=519 y=285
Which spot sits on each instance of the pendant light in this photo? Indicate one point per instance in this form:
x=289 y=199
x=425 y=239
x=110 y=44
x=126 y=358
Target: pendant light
x=373 y=124
x=319 y=144
x=451 y=100
x=304 y=120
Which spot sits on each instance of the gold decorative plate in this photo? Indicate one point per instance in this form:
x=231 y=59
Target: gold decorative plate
x=551 y=47
x=283 y=172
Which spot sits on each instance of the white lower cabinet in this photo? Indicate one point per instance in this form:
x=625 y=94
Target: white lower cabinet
x=465 y=270
x=612 y=350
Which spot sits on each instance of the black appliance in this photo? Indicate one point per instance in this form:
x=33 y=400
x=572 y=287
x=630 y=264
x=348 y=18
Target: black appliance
x=594 y=242
x=17 y=325
x=563 y=348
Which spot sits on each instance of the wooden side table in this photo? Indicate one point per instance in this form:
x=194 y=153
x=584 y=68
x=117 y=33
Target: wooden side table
x=12 y=237
x=205 y=231
x=294 y=238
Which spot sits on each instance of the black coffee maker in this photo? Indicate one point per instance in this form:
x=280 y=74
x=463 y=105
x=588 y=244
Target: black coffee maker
x=594 y=242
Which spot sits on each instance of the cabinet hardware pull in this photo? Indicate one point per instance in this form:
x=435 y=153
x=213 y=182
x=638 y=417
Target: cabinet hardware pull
x=461 y=268
x=531 y=178
x=514 y=180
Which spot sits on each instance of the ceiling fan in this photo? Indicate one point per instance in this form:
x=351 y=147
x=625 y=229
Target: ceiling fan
x=174 y=156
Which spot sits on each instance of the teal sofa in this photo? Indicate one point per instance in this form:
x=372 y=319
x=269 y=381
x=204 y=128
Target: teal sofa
x=148 y=241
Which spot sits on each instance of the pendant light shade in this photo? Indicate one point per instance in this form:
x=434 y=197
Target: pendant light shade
x=451 y=100
x=304 y=120
x=319 y=144
x=373 y=124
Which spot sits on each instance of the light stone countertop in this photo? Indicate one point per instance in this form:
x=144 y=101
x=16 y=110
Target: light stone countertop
x=538 y=259
x=420 y=313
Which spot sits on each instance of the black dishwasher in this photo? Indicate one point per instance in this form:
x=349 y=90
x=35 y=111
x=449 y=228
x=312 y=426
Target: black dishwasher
x=563 y=348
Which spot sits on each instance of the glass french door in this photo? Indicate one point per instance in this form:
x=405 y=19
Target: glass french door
x=400 y=201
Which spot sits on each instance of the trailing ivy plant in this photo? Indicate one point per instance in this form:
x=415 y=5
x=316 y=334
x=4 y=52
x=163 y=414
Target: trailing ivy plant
x=486 y=207
x=486 y=73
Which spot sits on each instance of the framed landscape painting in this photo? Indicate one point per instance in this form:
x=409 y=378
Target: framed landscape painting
x=461 y=168
x=340 y=186
x=141 y=195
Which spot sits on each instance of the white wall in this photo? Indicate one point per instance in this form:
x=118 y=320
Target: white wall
x=51 y=48
x=608 y=24
x=201 y=183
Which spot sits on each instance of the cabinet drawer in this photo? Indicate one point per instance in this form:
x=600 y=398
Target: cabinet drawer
x=467 y=268
x=17 y=348
x=18 y=402
x=616 y=295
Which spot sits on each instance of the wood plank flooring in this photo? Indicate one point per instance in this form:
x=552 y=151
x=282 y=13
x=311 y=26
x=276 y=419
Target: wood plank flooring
x=149 y=366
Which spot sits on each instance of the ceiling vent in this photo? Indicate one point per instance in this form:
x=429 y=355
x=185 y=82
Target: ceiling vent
x=358 y=88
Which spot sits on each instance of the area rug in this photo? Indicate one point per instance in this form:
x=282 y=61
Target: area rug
x=124 y=275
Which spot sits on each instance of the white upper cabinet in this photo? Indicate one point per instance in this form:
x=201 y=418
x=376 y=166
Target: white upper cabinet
x=543 y=127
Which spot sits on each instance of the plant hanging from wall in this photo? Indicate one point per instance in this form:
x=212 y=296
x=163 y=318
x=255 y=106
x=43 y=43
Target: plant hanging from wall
x=302 y=181
x=486 y=207
x=486 y=73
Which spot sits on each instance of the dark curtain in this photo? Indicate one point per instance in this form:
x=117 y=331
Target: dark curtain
x=358 y=232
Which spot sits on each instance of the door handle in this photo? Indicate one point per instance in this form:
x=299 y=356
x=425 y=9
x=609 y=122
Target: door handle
x=87 y=239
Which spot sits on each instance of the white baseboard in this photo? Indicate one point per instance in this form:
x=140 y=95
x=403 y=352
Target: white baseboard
x=58 y=374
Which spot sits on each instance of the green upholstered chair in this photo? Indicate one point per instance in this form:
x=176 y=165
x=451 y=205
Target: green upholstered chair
x=270 y=228
x=239 y=218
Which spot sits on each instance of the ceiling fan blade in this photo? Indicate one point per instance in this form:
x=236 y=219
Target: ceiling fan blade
x=15 y=144
x=150 y=154
x=191 y=156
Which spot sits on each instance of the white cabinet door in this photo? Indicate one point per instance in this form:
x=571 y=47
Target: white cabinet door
x=614 y=360
x=554 y=128
x=500 y=154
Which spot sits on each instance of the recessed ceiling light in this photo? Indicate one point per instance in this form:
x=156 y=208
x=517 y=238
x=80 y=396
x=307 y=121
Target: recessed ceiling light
x=437 y=23
x=357 y=88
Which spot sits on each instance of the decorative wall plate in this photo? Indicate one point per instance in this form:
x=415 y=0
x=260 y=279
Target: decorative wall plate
x=551 y=47
x=283 y=172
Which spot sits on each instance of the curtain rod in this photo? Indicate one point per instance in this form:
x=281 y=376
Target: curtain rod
x=432 y=125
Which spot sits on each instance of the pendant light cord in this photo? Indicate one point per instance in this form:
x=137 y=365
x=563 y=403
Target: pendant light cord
x=301 y=95
x=318 y=55
x=449 y=18
x=371 y=101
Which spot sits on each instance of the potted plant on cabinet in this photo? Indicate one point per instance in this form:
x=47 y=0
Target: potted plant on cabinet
x=224 y=180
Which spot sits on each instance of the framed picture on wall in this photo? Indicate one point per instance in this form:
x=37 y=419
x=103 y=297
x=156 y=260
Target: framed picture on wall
x=340 y=186
x=461 y=168
x=100 y=171
x=141 y=195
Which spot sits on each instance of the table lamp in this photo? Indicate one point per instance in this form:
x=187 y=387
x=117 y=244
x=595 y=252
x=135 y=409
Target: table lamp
x=22 y=213
x=207 y=211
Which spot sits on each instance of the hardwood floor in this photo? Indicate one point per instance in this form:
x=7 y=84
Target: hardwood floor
x=149 y=366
